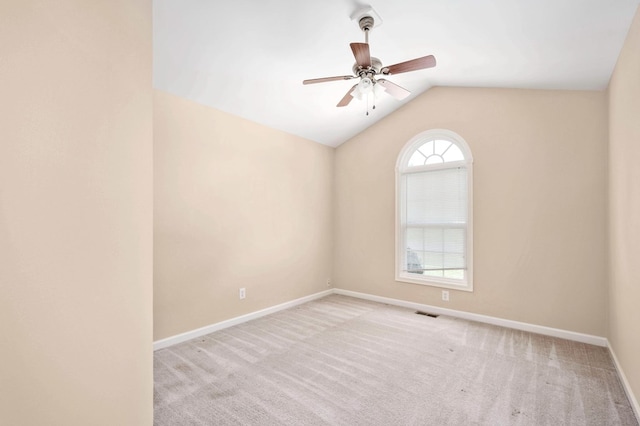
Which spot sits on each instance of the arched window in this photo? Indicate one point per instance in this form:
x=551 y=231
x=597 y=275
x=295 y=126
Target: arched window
x=434 y=211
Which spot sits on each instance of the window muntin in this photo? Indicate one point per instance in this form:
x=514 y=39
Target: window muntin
x=436 y=152
x=434 y=211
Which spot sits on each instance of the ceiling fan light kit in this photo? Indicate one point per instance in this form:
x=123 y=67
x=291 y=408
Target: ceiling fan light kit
x=367 y=68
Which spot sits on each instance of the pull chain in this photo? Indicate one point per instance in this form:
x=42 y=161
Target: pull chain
x=367 y=104
x=374 y=102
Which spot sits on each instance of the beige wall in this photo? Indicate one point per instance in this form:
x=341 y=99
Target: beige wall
x=241 y=205
x=540 y=164
x=237 y=205
x=624 y=207
x=75 y=213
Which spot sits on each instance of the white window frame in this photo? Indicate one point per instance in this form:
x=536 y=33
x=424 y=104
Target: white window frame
x=402 y=168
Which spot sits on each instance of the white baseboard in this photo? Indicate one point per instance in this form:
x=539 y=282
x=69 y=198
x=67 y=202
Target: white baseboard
x=539 y=329
x=183 y=337
x=625 y=383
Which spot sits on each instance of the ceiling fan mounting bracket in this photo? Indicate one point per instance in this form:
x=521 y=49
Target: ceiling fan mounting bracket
x=367 y=12
x=366 y=23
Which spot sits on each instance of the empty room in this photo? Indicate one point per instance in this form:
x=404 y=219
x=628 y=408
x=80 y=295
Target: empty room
x=332 y=213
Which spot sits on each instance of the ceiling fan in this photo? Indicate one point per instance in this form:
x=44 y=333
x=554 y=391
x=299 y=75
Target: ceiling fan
x=368 y=68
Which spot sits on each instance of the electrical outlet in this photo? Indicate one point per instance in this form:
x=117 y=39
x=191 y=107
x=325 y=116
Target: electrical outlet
x=445 y=295
x=328 y=282
x=243 y=293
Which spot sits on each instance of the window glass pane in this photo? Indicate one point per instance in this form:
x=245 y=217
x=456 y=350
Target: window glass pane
x=417 y=159
x=452 y=260
x=441 y=146
x=426 y=149
x=433 y=239
x=457 y=274
x=439 y=273
x=434 y=159
x=454 y=240
x=432 y=260
x=415 y=239
x=414 y=261
x=435 y=248
x=453 y=154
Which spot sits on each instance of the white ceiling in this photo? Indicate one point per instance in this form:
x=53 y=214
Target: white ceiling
x=249 y=57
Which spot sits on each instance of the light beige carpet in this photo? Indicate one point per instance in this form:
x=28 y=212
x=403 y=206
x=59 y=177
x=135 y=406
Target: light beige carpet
x=345 y=361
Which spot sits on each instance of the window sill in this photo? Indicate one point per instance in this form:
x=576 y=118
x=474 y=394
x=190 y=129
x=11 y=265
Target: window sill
x=435 y=282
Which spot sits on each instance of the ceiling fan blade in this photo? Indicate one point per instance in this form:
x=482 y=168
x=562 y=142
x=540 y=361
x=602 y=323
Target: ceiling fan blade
x=347 y=98
x=393 y=89
x=412 y=65
x=361 y=53
x=322 y=80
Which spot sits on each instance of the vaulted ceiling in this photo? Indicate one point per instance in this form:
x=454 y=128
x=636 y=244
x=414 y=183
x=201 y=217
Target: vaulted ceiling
x=249 y=57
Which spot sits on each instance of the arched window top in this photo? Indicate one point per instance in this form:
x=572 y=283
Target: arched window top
x=434 y=220
x=434 y=148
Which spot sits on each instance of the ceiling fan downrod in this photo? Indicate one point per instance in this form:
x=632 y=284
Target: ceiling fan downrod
x=366 y=23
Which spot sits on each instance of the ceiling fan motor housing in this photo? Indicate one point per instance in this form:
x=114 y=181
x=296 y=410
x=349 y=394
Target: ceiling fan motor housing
x=376 y=66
